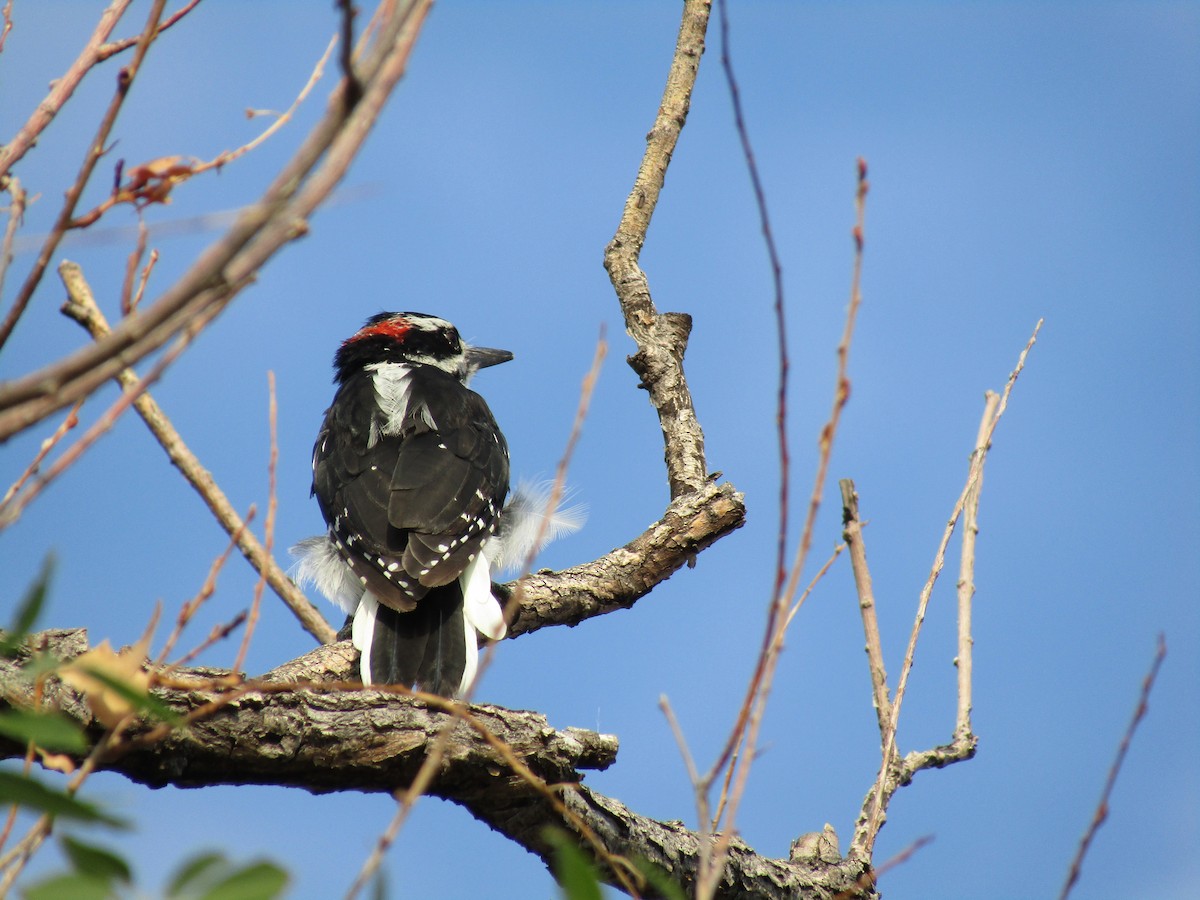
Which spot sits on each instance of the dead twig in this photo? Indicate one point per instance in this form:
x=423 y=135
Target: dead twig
x=68 y=422
x=96 y=148
x=662 y=338
x=268 y=524
x=152 y=182
x=231 y=263
x=1114 y=771
x=16 y=213
x=852 y=534
x=754 y=707
x=192 y=606
x=112 y=49
x=966 y=572
x=62 y=87
x=890 y=776
x=17 y=504
x=81 y=306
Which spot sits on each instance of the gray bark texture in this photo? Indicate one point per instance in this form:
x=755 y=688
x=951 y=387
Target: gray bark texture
x=305 y=725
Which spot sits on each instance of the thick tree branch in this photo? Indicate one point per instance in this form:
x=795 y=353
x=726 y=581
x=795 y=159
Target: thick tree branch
x=662 y=338
x=618 y=579
x=323 y=735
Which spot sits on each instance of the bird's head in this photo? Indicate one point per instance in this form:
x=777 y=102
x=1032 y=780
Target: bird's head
x=415 y=339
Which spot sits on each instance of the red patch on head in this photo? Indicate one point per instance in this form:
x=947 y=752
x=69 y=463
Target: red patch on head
x=393 y=329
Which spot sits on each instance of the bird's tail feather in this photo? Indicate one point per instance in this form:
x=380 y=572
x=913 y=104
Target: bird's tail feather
x=429 y=648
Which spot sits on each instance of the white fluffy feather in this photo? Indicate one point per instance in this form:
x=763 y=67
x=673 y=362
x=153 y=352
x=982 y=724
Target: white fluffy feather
x=529 y=523
x=319 y=565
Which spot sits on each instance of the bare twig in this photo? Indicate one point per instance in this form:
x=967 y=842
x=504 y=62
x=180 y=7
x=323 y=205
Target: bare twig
x=8 y=5
x=81 y=306
x=18 y=503
x=16 y=212
x=153 y=182
x=218 y=633
x=268 y=524
x=874 y=810
x=68 y=422
x=852 y=533
x=754 y=707
x=346 y=56
x=1114 y=771
x=131 y=266
x=62 y=87
x=760 y=200
x=115 y=47
x=230 y=264
x=966 y=576
x=96 y=148
x=189 y=608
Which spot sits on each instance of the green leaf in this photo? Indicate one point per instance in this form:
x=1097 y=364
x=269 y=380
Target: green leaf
x=97 y=862
x=32 y=794
x=659 y=880
x=28 y=610
x=196 y=869
x=143 y=701
x=48 y=729
x=573 y=871
x=71 y=886
x=255 y=881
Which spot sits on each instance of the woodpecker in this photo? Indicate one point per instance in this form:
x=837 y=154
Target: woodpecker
x=410 y=472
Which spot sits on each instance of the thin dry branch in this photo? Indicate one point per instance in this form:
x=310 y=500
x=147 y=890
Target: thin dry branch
x=966 y=574
x=1139 y=713
x=853 y=535
x=153 y=182
x=7 y=15
x=230 y=264
x=620 y=578
x=62 y=87
x=96 y=148
x=81 y=306
x=891 y=775
x=750 y=717
x=16 y=212
x=268 y=524
x=115 y=47
x=11 y=510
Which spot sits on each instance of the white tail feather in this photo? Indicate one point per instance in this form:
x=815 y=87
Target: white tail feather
x=362 y=633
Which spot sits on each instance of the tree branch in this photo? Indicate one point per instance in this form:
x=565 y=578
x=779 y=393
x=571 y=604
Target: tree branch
x=620 y=578
x=81 y=306
x=662 y=338
x=302 y=726
x=260 y=231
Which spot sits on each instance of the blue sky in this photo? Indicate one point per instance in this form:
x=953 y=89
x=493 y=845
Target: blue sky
x=1026 y=160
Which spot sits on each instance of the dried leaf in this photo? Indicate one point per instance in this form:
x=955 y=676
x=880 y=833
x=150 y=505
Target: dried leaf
x=93 y=674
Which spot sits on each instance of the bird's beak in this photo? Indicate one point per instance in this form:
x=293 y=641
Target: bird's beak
x=482 y=357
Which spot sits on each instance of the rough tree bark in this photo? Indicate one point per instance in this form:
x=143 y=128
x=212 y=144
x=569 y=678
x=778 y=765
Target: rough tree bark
x=306 y=725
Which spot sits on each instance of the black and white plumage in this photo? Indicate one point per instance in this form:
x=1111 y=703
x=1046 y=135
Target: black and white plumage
x=411 y=474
